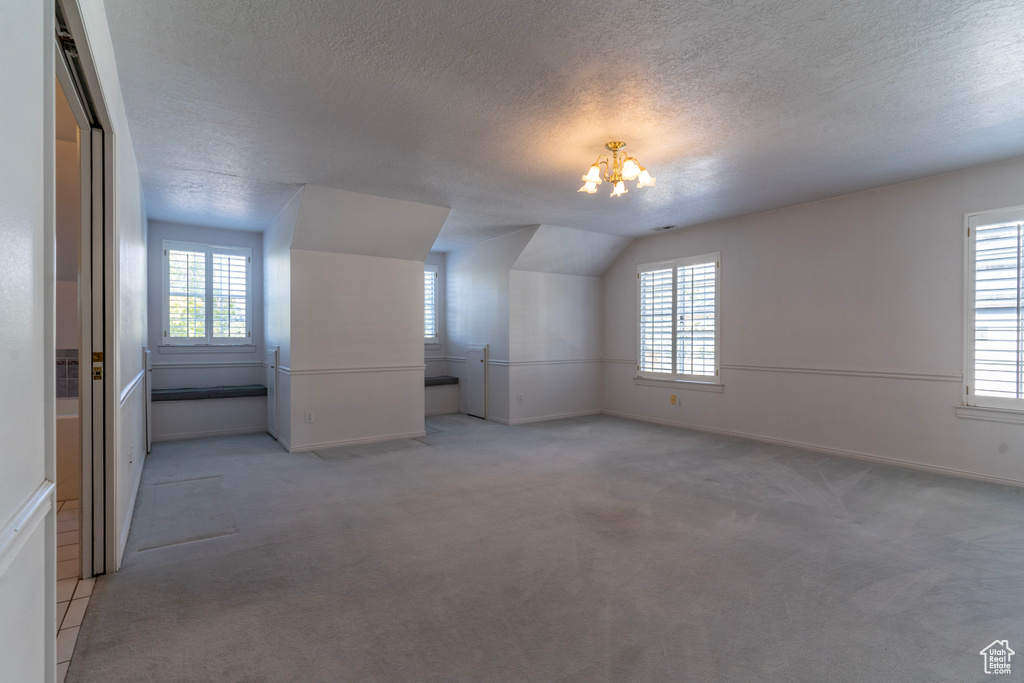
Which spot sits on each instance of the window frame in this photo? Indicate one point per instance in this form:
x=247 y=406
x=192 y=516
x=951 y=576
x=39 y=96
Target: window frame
x=716 y=379
x=435 y=341
x=971 y=222
x=209 y=250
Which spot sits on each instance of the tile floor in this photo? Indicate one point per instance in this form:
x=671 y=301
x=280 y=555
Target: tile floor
x=72 y=594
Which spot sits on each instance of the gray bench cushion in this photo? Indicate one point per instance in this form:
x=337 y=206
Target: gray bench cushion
x=195 y=393
x=439 y=380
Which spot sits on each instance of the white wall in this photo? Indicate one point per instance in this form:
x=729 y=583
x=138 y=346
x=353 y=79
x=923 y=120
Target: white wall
x=125 y=374
x=27 y=557
x=345 y=303
x=477 y=295
x=177 y=367
x=841 y=326
x=554 y=345
x=357 y=348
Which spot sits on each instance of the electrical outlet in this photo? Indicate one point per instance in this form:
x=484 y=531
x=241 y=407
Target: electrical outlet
x=672 y=399
x=309 y=418
x=519 y=397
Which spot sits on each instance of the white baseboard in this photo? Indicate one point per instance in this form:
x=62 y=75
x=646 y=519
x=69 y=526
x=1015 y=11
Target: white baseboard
x=856 y=455
x=547 y=418
x=201 y=435
x=355 y=442
x=442 y=412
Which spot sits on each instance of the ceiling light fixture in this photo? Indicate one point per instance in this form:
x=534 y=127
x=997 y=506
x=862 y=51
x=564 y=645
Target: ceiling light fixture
x=620 y=168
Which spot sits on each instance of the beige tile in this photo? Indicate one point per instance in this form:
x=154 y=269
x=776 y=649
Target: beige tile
x=68 y=569
x=66 y=514
x=76 y=612
x=62 y=608
x=67 y=525
x=66 y=589
x=62 y=671
x=71 y=504
x=67 y=538
x=66 y=643
x=84 y=588
x=60 y=504
x=67 y=552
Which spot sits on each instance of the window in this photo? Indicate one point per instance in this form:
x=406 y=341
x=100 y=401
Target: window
x=206 y=294
x=430 y=304
x=994 y=336
x=678 y=319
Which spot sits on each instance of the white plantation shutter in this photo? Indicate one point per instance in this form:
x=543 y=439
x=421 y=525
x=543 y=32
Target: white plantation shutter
x=656 y=321
x=429 y=304
x=186 y=292
x=206 y=294
x=230 y=290
x=678 y=319
x=695 y=313
x=997 y=337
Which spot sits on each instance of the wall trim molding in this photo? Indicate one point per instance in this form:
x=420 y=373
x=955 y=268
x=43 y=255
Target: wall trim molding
x=132 y=386
x=498 y=362
x=856 y=455
x=560 y=361
x=199 y=435
x=453 y=359
x=922 y=376
x=355 y=442
x=624 y=361
x=547 y=418
x=683 y=384
x=206 y=366
x=347 y=371
x=17 y=531
x=990 y=414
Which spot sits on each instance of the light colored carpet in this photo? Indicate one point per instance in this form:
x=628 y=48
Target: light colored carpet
x=590 y=550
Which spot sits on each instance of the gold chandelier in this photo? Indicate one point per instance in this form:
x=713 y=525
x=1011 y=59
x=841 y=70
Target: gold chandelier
x=619 y=169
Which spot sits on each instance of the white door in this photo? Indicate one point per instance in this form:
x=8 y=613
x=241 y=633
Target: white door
x=272 y=390
x=476 y=380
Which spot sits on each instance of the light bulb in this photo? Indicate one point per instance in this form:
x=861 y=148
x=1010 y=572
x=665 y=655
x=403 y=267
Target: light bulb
x=593 y=175
x=619 y=189
x=588 y=187
x=630 y=169
x=645 y=179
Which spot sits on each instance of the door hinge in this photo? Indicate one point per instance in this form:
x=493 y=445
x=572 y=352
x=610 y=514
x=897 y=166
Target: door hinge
x=968 y=232
x=968 y=390
x=165 y=252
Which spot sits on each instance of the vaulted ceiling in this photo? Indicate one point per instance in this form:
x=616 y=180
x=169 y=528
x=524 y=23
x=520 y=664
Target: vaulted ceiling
x=495 y=109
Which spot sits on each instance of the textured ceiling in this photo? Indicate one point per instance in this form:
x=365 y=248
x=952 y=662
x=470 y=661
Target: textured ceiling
x=495 y=109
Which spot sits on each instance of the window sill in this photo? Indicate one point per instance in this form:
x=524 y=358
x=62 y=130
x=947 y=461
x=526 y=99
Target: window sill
x=207 y=348
x=679 y=384
x=990 y=414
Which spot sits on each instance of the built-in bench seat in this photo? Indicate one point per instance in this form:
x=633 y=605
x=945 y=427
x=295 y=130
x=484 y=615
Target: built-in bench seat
x=440 y=380
x=196 y=393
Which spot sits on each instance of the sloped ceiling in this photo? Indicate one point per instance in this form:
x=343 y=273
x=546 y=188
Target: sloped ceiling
x=351 y=223
x=496 y=108
x=554 y=249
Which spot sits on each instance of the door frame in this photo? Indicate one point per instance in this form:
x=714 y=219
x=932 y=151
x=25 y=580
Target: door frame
x=97 y=286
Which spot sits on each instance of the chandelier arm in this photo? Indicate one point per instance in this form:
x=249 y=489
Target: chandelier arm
x=602 y=159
